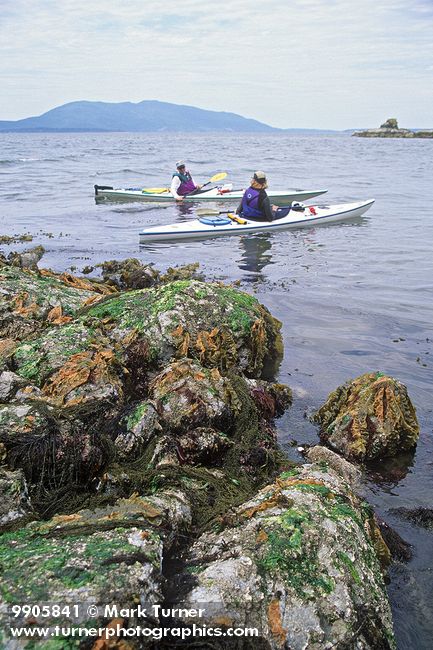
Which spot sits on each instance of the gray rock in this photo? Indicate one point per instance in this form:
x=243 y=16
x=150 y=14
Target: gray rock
x=137 y=428
x=299 y=563
x=10 y=383
x=342 y=467
x=105 y=557
x=15 y=505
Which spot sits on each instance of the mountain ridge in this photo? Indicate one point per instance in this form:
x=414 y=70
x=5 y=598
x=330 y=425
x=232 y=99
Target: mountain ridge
x=144 y=116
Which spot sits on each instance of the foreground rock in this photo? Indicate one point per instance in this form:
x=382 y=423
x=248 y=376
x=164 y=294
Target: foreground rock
x=131 y=427
x=107 y=557
x=368 y=417
x=300 y=562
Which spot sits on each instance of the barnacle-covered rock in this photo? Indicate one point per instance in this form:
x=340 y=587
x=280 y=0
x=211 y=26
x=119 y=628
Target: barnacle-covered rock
x=203 y=445
x=215 y=324
x=182 y=398
x=298 y=561
x=369 y=417
x=208 y=437
x=28 y=259
x=329 y=459
x=128 y=274
x=10 y=383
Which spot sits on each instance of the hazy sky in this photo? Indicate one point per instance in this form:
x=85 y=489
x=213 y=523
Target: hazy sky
x=290 y=63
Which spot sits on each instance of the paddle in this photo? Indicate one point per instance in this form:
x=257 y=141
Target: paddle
x=161 y=190
x=214 y=179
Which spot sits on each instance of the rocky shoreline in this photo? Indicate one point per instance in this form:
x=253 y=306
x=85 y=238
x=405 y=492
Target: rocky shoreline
x=140 y=466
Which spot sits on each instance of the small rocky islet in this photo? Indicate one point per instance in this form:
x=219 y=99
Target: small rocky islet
x=390 y=129
x=140 y=465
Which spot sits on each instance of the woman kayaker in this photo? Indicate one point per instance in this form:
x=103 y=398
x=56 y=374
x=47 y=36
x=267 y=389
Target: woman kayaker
x=182 y=182
x=255 y=202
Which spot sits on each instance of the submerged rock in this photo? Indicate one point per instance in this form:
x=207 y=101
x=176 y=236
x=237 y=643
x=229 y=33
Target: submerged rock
x=368 y=417
x=298 y=561
x=419 y=516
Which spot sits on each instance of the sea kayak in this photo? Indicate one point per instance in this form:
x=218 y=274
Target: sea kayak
x=283 y=197
x=205 y=227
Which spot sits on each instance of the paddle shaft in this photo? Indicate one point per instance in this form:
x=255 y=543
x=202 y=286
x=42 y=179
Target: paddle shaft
x=214 y=179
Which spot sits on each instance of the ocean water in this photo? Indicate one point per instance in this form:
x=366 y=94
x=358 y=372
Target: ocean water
x=352 y=297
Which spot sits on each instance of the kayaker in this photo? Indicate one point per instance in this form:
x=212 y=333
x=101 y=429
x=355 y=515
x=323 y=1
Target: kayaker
x=182 y=182
x=255 y=202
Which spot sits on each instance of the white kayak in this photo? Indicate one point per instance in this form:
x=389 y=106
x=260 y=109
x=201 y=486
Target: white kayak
x=283 y=197
x=205 y=227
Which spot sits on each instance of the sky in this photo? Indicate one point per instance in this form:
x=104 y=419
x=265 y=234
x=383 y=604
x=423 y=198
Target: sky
x=335 y=64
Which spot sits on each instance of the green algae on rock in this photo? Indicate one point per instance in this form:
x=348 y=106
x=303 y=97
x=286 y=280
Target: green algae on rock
x=302 y=554
x=29 y=300
x=218 y=325
x=111 y=555
x=145 y=419
x=69 y=365
x=368 y=417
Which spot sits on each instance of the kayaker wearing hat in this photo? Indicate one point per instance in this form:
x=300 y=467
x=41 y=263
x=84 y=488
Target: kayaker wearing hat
x=255 y=202
x=182 y=182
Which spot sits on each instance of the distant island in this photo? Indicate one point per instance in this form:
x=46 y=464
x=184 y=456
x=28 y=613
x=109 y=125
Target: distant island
x=145 y=116
x=390 y=129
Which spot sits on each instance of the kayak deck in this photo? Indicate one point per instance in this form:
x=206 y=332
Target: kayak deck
x=196 y=229
x=278 y=197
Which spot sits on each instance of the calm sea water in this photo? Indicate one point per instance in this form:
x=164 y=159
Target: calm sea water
x=352 y=297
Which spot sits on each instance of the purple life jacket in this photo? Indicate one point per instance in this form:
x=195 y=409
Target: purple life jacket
x=186 y=183
x=250 y=203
